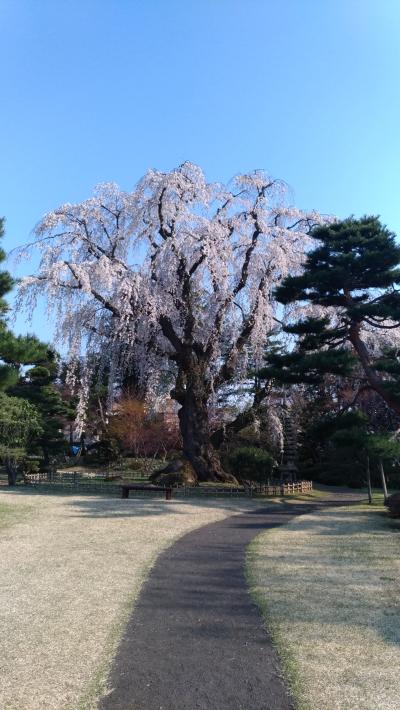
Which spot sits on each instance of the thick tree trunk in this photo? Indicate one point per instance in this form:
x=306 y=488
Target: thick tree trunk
x=12 y=473
x=197 y=447
x=192 y=394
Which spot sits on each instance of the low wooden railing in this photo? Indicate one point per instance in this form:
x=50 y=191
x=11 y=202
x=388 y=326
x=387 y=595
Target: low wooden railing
x=112 y=483
x=298 y=487
x=284 y=489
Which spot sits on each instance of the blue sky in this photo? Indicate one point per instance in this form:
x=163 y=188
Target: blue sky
x=101 y=90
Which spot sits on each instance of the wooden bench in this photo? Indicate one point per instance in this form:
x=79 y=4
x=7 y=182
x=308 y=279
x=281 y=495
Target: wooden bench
x=127 y=487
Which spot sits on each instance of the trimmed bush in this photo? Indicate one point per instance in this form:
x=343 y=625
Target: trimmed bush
x=249 y=463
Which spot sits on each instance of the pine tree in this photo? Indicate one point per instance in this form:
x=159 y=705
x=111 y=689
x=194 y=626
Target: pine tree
x=346 y=449
x=354 y=272
x=30 y=417
x=37 y=386
x=15 y=351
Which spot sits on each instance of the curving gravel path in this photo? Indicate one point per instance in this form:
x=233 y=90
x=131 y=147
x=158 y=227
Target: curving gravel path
x=196 y=640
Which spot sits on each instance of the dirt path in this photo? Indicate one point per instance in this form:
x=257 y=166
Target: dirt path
x=196 y=640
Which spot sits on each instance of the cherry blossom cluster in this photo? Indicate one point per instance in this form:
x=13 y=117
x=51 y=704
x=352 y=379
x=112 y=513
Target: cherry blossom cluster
x=176 y=270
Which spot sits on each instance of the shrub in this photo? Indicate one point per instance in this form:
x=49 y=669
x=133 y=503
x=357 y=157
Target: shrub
x=142 y=432
x=103 y=452
x=393 y=505
x=251 y=464
x=31 y=464
x=133 y=464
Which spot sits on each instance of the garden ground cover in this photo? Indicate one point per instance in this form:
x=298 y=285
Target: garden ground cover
x=11 y=514
x=71 y=569
x=328 y=584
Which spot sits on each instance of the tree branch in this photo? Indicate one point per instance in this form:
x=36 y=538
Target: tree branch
x=109 y=306
x=169 y=333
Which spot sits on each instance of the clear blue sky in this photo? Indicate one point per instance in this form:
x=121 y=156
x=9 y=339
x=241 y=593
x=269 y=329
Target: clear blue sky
x=101 y=90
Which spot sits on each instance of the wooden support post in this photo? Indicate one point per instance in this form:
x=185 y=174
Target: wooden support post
x=385 y=493
x=369 y=482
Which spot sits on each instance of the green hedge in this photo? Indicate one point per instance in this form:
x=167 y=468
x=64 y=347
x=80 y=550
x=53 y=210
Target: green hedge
x=251 y=464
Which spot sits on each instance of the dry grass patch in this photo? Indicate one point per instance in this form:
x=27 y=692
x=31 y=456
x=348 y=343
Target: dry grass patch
x=70 y=573
x=12 y=514
x=328 y=584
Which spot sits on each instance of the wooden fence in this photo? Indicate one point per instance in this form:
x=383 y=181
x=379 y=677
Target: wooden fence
x=70 y=477
x=286 y=489
x=111 y=483
x=75 y=481
x=274 y=490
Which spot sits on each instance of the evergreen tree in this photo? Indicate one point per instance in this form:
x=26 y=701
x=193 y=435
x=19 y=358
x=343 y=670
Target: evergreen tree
x=346 y=449
x=20 y=425
x=37 y=386
x=29 y=418
x=15 y=351
x=354 y=272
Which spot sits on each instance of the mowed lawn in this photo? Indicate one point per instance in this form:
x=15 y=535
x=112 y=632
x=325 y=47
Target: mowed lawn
x=329 y=586
x=71 y=568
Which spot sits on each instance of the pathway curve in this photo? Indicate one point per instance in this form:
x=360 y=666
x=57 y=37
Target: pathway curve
x=196 y=640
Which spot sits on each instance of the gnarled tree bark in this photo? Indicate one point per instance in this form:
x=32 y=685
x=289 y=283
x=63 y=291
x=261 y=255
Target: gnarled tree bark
x=192 y=393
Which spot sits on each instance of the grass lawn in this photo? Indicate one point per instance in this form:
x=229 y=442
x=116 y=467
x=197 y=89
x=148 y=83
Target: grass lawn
x=71 y=569
x=328 y=585
x=11 y=514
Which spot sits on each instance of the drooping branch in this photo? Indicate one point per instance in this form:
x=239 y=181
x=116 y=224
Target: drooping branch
x=227 y=370
x=109 y=306
x=246 y=263
x=163 y=231
x=179 y=270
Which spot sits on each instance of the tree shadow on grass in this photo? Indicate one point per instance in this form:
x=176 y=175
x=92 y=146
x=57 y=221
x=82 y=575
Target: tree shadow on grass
x=98 y=505
x=142 y=505
x=147 y=505
x=336 y=586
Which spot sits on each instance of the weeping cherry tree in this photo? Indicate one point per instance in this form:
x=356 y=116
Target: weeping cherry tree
x=178 y=273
